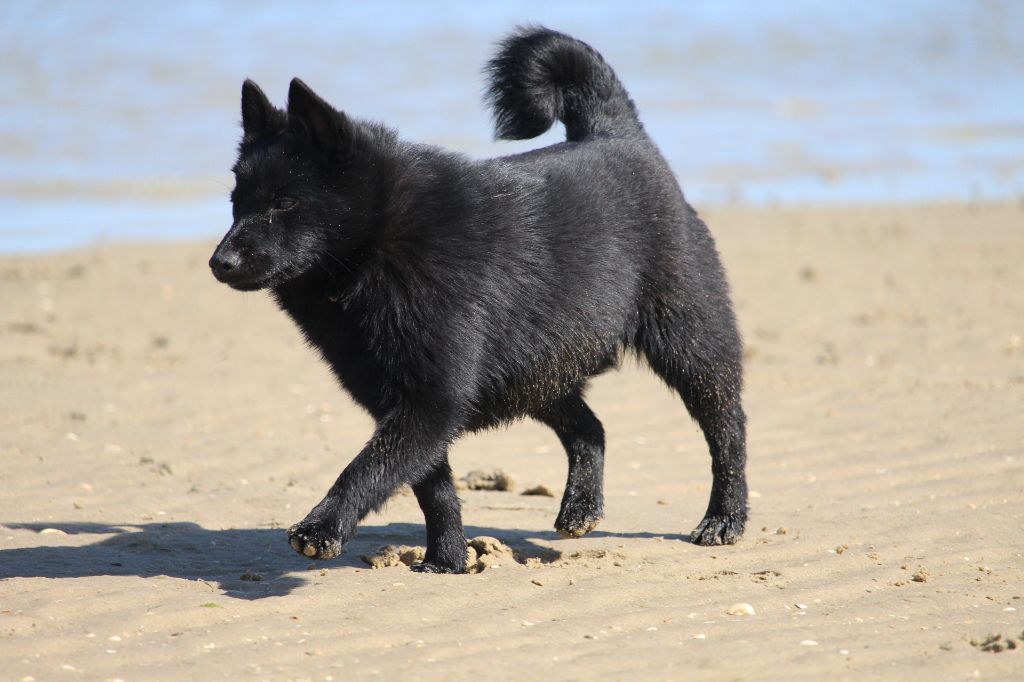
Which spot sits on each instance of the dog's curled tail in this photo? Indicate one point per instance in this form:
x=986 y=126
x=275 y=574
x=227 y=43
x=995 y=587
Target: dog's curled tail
x=540 y=75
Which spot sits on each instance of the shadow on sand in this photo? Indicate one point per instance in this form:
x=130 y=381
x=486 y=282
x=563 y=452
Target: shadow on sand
x=222 y=557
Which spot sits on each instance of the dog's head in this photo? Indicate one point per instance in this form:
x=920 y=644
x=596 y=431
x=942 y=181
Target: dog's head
x=303 y=190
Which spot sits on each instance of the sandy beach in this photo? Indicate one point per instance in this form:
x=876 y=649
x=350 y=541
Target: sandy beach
x=159 y=431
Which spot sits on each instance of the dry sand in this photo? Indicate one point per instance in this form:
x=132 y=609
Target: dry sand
x=166 y=429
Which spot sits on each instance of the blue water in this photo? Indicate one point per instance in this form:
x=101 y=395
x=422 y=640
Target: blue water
x=118 y=120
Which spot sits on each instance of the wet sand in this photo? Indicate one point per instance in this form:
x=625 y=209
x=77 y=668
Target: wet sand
x=159 y=431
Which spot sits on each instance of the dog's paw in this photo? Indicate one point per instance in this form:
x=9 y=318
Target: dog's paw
x=577 y=530
x=579 y=516
x=430 y=567
x=717 y=530
x=315 y=539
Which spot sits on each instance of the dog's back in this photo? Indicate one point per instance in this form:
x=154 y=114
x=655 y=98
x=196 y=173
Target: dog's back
x=583 y=244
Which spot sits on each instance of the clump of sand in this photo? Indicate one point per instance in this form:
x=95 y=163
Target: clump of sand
x=488 y=479
x=485 y=552
x=482 y=552
x=394 y=555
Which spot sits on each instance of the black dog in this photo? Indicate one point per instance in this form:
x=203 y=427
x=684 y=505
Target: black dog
x=450 y=295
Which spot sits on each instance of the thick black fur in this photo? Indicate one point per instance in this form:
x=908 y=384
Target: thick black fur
x=450 y=295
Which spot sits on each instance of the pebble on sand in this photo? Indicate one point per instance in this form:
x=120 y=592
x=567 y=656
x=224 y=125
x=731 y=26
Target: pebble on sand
x=740 y=609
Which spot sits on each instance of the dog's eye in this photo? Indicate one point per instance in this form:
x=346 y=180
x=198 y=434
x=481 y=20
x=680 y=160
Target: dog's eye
x=284 y=204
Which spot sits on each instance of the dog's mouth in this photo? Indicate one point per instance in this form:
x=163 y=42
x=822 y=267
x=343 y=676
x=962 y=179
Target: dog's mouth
x=252 y=285
x=229 y=267
x=262 y=281
x=244 y=281
x=247 y=286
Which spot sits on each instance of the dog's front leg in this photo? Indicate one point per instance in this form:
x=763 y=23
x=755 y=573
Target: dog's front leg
x=403 y=449
x=446 y=539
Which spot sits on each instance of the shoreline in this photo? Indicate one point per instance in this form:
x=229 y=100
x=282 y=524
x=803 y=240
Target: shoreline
x=136 y=225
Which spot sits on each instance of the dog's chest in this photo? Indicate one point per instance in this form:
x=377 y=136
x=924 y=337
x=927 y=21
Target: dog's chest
x=377 y=352
x=337 y=335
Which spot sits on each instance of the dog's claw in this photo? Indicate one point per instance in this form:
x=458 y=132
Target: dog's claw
x=313 y=541
x=578 y=531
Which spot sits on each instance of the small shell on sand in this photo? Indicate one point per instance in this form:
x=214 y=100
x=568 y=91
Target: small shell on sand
x=740 y=609
x=52 y=531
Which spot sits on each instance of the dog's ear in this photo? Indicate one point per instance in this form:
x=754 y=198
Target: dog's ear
x=314 y=120
x=259 y=116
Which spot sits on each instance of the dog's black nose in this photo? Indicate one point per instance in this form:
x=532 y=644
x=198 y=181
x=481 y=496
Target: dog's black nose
x=225 y=263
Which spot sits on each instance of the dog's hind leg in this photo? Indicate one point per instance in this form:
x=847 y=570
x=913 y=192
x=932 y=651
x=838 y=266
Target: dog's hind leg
x=701 y=358
x=446 y=539
x=582 y=436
